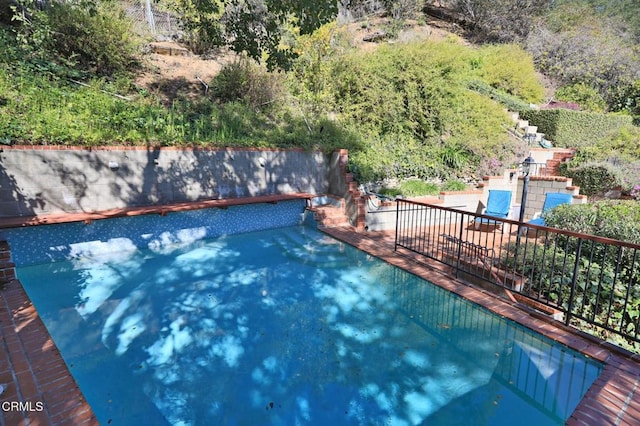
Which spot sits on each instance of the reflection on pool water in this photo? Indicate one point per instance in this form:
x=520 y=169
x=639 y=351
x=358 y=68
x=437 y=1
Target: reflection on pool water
x=289 y=326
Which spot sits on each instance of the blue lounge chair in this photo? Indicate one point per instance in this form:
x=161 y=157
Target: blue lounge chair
x=498 y=206
x=551 y=201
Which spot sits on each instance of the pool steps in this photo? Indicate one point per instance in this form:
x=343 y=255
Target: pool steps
x=329 y=211
x=310 y=252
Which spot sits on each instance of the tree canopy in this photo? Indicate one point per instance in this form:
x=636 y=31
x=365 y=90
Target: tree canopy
x=257 y=27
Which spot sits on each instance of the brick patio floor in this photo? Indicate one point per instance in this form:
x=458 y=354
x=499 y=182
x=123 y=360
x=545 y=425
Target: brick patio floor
x=35 y=375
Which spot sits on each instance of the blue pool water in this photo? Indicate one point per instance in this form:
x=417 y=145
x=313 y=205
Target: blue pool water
x=288 y=326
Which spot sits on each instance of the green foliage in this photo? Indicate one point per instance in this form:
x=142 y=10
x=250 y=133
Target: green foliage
x=200 y=19
x=454 y=185
x=409 y=102
x=35 y=110
x=586 y=96
x=619 y=151
x=627 y=98
x=605 y=275
x=604 y=280
x=510 y=69
x=616 y=219
x=311 y=79
x=244 y=81
x=78 y=38
x=258 y=27
x=418 y=188
x=567 y=128
x=510 y=102
x=413 y=105
x=412 y=188
x=595 y=178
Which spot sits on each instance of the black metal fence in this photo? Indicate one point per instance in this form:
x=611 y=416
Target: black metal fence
x=589 y=282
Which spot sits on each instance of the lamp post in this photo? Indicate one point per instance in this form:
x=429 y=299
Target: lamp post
x=526 y=169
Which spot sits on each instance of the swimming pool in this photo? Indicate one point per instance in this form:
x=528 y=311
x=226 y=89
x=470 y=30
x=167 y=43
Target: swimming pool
x=289 y=326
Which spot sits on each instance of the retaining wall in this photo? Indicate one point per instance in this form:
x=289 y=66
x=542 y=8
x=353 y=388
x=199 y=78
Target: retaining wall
x=36 y=180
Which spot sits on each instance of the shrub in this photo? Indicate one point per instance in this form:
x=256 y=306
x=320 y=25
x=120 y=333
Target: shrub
x=311 y=80
x=412 y=104
x=586 y=96
x=620 y=150
x=617 y=219
x=244 y=81
x=510 y=69
x=568 y=128
x=454 y=185
x=416 y=188
x=412 y=188
x=92 y=40
x=595 y=178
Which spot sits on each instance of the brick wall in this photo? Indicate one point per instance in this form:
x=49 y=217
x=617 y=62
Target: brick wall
x=7 y=268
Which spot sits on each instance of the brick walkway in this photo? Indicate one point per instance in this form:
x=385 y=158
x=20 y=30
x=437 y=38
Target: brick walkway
x=33 y=371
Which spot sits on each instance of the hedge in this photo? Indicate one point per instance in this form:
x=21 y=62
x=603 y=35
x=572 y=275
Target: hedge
x=512 y=103
x=568 y=129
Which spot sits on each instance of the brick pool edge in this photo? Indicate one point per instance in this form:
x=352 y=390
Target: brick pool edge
x=40 y=389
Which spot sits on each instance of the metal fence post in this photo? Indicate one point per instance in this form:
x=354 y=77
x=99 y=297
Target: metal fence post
x=395 y=247
x=574 y=279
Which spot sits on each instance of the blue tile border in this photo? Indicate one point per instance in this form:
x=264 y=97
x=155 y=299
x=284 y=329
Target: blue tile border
x=49 y=243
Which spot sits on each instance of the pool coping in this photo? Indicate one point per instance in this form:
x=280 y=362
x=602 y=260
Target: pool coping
x=57 y=218
x=614 y=397
x=35 y=372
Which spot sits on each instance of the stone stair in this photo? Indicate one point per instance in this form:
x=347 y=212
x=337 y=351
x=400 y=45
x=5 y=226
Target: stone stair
x=559 y=157
x=527 y=131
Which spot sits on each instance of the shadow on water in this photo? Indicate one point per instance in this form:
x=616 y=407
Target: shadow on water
x=288 y=326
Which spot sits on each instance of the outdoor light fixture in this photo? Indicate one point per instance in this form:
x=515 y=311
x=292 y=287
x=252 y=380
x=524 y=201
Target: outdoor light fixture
x=526 y=165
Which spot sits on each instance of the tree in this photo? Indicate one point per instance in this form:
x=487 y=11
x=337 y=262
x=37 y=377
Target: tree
x=201 y=21
x=501 y=20
x=75 y=37
x=575 y=44
x=255 y=27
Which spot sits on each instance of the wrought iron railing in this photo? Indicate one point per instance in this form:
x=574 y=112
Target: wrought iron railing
x=589 y=282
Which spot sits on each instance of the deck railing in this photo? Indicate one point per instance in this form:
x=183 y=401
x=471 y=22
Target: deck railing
x=589 y=282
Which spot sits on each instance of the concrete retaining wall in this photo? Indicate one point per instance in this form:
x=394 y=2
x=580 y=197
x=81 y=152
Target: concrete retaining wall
x=42 y=180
